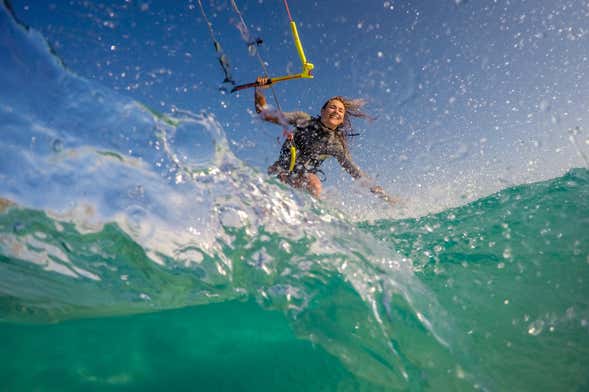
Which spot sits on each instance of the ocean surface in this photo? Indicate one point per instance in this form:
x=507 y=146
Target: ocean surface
x=137 y=252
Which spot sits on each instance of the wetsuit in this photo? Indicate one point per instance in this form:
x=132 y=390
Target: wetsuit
x=314 y=143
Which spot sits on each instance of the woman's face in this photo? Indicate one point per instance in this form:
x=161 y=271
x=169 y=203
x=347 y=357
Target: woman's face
x=333 y=114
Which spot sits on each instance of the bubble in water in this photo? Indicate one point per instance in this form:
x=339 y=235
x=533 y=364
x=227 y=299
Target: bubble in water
x=145 y=297
x=137 y=221
x=285 y=246
x=19 y=227
x=136 y=192
x=507 y=253
x=232 y=217
x=57 y=145
x=536 y=328
x=460 y=372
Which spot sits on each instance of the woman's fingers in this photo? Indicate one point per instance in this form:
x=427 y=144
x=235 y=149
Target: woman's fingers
x=262 y=81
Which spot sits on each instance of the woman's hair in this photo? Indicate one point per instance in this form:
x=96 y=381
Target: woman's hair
x=353 y=109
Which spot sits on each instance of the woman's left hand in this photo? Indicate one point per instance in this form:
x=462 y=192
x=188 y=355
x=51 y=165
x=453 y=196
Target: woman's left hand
x=378 y=191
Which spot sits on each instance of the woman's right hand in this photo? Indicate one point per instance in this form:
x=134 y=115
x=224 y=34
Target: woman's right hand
x=262 y=82
x=259 y=99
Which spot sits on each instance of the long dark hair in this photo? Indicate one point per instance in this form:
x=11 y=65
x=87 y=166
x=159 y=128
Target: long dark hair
x=353 y=108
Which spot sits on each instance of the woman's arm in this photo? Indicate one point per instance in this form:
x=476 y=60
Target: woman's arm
x=378 y=191
x=286 y=119
x=260 y=103
x=346 y=162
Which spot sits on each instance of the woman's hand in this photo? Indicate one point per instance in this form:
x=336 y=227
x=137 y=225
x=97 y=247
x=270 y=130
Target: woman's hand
x=378 y=191
x=262 y=82
x=259 y=99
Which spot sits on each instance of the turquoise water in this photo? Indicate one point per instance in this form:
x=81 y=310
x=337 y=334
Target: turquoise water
x=510 y=273
x=138 y=252
x=190 y=349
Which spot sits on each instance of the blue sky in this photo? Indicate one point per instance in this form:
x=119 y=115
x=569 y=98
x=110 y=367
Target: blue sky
x=482 y=92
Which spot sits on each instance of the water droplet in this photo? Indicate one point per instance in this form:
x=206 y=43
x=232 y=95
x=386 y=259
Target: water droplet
x=544 y=105
x=540 y=35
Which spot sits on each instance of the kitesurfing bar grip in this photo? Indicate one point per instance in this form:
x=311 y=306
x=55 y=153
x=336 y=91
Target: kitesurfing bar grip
x=268 y=83
x=247 y=85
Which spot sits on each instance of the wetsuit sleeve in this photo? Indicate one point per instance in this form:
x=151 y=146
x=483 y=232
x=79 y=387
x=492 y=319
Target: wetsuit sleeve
x=297 y=119
x=345 y=160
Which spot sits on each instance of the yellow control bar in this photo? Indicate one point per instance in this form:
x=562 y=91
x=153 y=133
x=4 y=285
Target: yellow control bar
x=307 y=67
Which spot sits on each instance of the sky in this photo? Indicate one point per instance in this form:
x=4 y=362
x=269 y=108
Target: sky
x=479 y=95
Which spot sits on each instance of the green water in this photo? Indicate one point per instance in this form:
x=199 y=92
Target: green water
x=497 y=298
x=229 y=347
x=512 y=270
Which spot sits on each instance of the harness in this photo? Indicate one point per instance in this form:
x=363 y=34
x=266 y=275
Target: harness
x=303 y=166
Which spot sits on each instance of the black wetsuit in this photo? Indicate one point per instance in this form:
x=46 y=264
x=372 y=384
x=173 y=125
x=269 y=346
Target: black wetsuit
x=314 y=143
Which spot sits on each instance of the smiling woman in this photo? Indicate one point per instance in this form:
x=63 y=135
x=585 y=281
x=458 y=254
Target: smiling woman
x=314 y=140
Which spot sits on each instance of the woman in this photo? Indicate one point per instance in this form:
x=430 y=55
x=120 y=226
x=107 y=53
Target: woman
x=314 y=140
